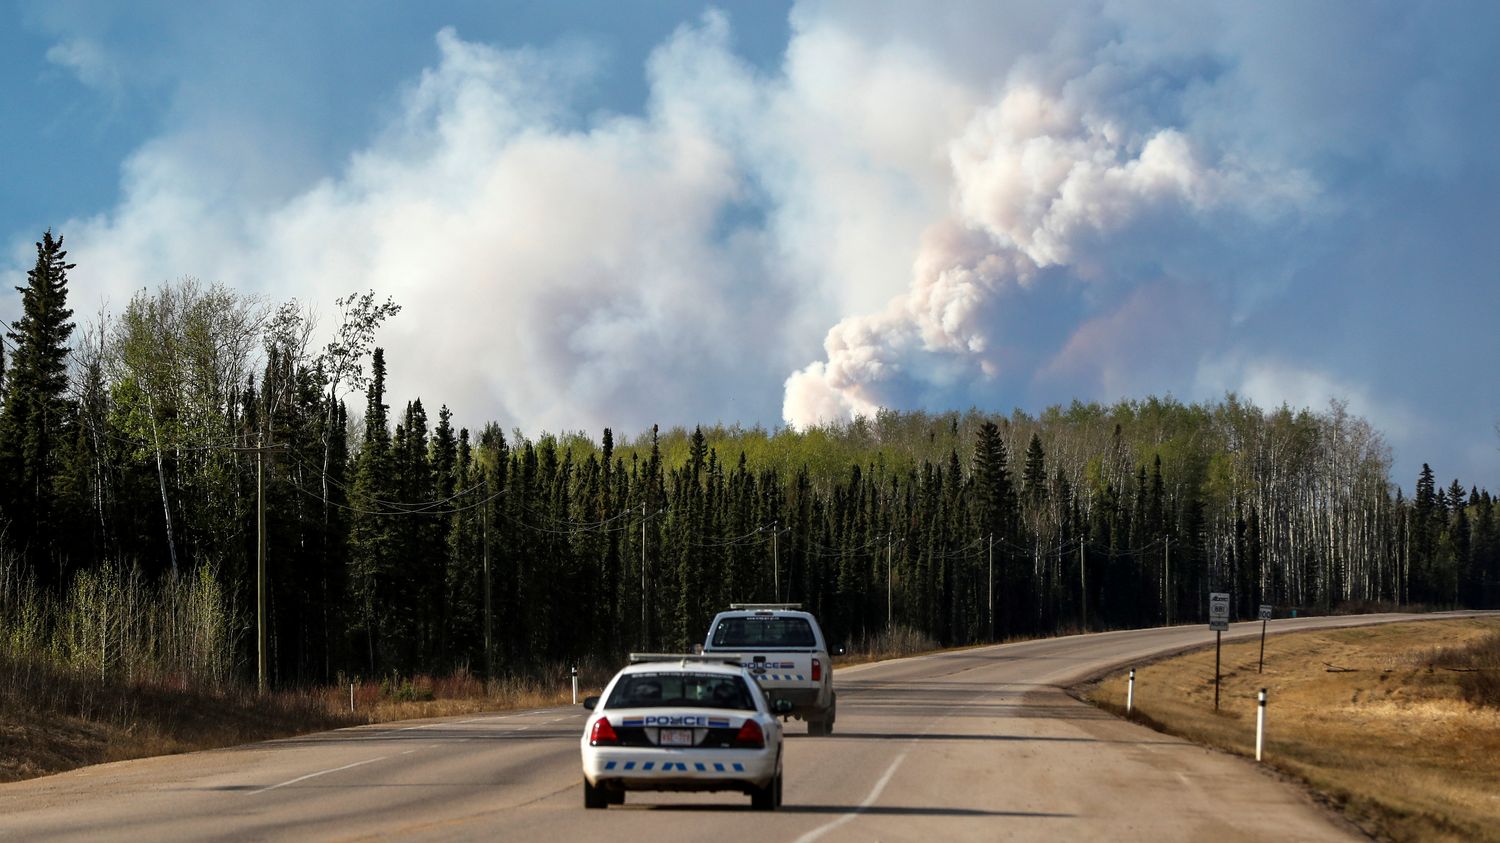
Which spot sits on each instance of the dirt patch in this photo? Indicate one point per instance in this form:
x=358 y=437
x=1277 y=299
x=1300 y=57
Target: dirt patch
x=1384 y=722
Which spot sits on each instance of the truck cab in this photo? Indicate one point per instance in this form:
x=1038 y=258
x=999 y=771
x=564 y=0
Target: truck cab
x=784 y=650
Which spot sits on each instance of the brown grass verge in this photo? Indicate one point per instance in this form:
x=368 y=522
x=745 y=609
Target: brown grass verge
x=55 y=720
x=1376 y=720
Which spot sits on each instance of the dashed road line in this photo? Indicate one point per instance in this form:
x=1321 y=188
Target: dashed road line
x=320 y=773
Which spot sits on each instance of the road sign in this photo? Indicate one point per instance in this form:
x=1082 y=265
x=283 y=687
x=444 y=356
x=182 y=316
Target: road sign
x=1265 y=611
x=1218 y=611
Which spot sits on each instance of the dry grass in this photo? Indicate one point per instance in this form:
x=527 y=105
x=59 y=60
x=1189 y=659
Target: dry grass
x=53 y=720
x=458 y=693
x=1375 y=719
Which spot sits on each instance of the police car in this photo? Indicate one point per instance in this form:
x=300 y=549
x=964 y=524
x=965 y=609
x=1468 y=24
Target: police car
x=682 y=723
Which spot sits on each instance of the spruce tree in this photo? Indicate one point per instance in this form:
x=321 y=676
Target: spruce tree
x=34 y=428
x=372 y=552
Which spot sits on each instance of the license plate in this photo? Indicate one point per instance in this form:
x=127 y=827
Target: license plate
x=676 y=737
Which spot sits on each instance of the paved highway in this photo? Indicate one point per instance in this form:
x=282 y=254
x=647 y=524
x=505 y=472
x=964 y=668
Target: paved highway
x=982 y=744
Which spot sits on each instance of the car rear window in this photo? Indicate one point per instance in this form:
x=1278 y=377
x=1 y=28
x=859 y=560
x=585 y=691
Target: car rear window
x=762 y=632
x=702 y=690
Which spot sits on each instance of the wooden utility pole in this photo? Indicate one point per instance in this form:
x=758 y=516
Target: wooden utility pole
x=991 y=567
x=1083 y=585
x=260 y=569
x=888 y=613
x=1166 y=580
x=645 y=637
x=260 y=557
x=775 y=559
x=489 y=627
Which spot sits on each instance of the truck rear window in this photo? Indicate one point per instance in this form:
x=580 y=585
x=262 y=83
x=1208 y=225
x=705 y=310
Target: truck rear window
x=771 y=633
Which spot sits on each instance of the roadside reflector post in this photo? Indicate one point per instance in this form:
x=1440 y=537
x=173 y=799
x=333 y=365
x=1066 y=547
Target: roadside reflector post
x=1130 y=694
x=1260 y=724
x=573 y=671
x=351 y=697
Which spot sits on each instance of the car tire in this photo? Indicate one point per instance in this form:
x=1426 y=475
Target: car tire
x=767 y=798
x=616 y=797
x=817 y=728
x=594 y=797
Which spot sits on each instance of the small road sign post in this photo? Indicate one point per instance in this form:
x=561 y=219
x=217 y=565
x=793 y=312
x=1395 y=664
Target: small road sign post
x=1265 y=616
x=1218 y=621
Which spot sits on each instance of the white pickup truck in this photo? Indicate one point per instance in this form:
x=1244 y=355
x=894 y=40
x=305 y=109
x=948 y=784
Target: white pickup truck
x=784 y=649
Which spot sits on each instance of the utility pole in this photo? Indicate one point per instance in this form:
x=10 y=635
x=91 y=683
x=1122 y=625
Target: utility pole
x=888 y=604
x=260 y=452
x=775 y=559
x=489 y=628
x=1166 y=579
x=260 y=566
x=1083 y=585
x=991 y=565
x=645 y=638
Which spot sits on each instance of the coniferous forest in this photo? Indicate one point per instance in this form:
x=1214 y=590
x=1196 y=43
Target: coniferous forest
x=137 y=449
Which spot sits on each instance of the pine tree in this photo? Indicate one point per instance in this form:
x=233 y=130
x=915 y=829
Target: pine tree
x=34 y=428
x=372 y=541
x=1424 y=529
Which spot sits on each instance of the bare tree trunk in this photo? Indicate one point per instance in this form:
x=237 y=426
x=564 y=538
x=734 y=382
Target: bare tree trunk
x=161 y=479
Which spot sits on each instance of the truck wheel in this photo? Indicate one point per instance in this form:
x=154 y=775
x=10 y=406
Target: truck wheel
x=594 y=797
x=817 y=728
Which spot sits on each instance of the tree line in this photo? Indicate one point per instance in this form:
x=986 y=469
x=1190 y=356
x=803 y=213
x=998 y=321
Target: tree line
x=396 y=542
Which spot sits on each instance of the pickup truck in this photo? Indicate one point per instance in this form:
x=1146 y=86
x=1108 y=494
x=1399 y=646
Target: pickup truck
x=784 y=649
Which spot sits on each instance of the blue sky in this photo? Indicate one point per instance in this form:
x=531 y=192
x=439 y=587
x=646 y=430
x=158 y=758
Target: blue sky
x=632 y=213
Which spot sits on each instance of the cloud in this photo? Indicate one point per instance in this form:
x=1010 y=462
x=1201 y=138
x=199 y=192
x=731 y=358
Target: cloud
x=1038 y=180
x=1270 y=382
x=550 y=276
x=968 y=204
x=88 y=61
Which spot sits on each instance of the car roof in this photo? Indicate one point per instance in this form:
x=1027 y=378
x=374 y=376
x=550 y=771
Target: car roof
x=684 y=666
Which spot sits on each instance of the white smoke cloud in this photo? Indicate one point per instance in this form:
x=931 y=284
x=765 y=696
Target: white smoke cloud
x=1038 y=181
x=550 y=276
x=989 y=204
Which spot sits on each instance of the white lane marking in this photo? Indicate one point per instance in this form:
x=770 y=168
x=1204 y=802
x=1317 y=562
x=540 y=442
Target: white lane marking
x=320 y=773
x=863 y=806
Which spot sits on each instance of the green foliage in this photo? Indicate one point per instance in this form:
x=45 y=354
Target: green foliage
x=397 y=546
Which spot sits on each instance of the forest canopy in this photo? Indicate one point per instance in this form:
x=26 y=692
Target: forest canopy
x=396 y=542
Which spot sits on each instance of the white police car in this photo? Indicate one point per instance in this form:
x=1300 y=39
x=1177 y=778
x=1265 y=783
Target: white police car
x=683 y=723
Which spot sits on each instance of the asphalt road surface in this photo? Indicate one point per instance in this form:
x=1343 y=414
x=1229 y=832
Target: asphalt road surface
x=982 y=744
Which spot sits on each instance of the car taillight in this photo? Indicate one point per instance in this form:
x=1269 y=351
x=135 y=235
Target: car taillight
x=817 y=670
x=750 y=736
x=603 y=734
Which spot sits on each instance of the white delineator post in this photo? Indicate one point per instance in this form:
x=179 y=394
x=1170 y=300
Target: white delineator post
x=1130 y=693
x=351 y=697
x=1260 y=724
x=574 y=672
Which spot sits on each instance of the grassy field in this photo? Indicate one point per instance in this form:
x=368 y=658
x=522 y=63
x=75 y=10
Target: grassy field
x=53 y=720
x=1397 y=726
